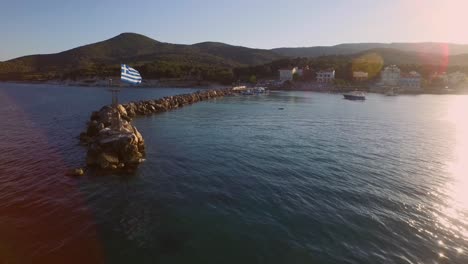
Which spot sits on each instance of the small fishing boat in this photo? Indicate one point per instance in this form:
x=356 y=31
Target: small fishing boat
x=355 y=95
x=239 y=88
x=259 y=90
x=248 y=92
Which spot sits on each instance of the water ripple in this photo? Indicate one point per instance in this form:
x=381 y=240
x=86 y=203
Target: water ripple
x=235 y=180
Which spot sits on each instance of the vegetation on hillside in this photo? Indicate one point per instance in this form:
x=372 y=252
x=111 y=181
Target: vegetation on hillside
x=372 y=62
x=222 y=63
x=207 y=61
x=353 y=48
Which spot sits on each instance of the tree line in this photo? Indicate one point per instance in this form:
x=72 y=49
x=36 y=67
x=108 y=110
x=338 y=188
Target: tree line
x=226 y=74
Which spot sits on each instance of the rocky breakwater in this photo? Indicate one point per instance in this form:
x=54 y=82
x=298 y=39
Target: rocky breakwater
x=114 y=143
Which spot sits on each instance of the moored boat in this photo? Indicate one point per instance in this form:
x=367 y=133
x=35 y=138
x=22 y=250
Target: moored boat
x=239 y=88
x=259 y=90
x=248 y=92
x=355 y=95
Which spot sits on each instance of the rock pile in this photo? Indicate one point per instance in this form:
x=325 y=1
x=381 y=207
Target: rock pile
x=171 y=102
x=114 y=143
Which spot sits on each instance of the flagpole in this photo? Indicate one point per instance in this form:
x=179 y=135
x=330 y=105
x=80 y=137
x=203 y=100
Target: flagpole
x=114 y=93
x=115 y=101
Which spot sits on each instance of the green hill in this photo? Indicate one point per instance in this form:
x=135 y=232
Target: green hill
x=216 y=61
x=400 y=57
x=105 y=57
x=352 y=48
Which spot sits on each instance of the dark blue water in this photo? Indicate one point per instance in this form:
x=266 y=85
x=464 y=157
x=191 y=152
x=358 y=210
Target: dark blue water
x=236 y=180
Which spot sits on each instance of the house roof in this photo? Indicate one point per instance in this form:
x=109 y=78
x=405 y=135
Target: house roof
x=326 y=71
x=412 y=74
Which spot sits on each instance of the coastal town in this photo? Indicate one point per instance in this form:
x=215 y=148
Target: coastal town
x=252 y=132
x=391 y=79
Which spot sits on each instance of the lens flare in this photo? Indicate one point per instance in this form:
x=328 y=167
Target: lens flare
x=371 y=63
x=34 y=217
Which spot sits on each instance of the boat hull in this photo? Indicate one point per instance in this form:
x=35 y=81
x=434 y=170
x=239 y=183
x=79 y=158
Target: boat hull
x=354 y=97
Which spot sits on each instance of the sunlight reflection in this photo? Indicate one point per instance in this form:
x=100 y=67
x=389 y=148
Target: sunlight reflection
x=457 y=189
x=458 y=115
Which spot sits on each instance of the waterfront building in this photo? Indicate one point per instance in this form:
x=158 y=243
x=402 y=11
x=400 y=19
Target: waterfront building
x=438 y=75
x=326 y=76
x=390 y=76
x=288 y=74
x=410 y=82
x=360 y=76
x=455 y=78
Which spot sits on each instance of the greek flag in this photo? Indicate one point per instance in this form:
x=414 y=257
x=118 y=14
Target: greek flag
x=130 y=75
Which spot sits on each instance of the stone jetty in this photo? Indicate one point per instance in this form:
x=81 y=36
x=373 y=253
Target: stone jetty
x=114 y=143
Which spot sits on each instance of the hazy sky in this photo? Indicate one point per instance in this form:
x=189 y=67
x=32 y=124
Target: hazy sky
x=48 y=26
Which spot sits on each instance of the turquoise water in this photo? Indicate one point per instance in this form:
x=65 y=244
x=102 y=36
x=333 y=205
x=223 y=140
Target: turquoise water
x=236 y=180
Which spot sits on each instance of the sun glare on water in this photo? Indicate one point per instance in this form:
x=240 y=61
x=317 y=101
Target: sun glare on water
x=458 y=115
x=455 y=214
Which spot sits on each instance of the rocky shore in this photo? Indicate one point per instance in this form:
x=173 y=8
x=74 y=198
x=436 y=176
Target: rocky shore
x=114 y=143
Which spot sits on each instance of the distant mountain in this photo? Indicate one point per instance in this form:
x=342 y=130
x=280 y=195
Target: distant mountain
x=138 y=49
x=401 y=57
x=212 y=61
x=459 y=60
x=395 y=56
x=237 y=54
x=346 y=49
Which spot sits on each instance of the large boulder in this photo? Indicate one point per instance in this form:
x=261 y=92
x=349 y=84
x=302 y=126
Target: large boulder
x=107 y=160
x=131 y=109
x=93 y=129
x=131 y=155
x=122 y=110
x=75 y=172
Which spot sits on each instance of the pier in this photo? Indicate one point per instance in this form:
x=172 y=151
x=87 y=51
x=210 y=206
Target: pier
x=115 y=144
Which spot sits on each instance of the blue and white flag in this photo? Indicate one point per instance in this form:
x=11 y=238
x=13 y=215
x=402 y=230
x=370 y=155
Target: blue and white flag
x=130 y=75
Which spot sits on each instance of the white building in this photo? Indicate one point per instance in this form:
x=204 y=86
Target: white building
x=288 y=74
x=455 y=78
x=410 y=82
x=390 y=76
x=326 y=76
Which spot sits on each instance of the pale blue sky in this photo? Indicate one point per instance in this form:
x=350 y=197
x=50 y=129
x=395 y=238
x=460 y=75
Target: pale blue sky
x=49 y=26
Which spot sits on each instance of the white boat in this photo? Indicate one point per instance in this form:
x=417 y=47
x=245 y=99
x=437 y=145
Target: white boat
x=355 y=95
x=248 y=92
x=239 y=88
x=259 y=90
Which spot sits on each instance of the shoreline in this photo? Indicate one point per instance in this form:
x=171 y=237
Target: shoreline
x=369 y=92
x=429 y=92
x=156 y=84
